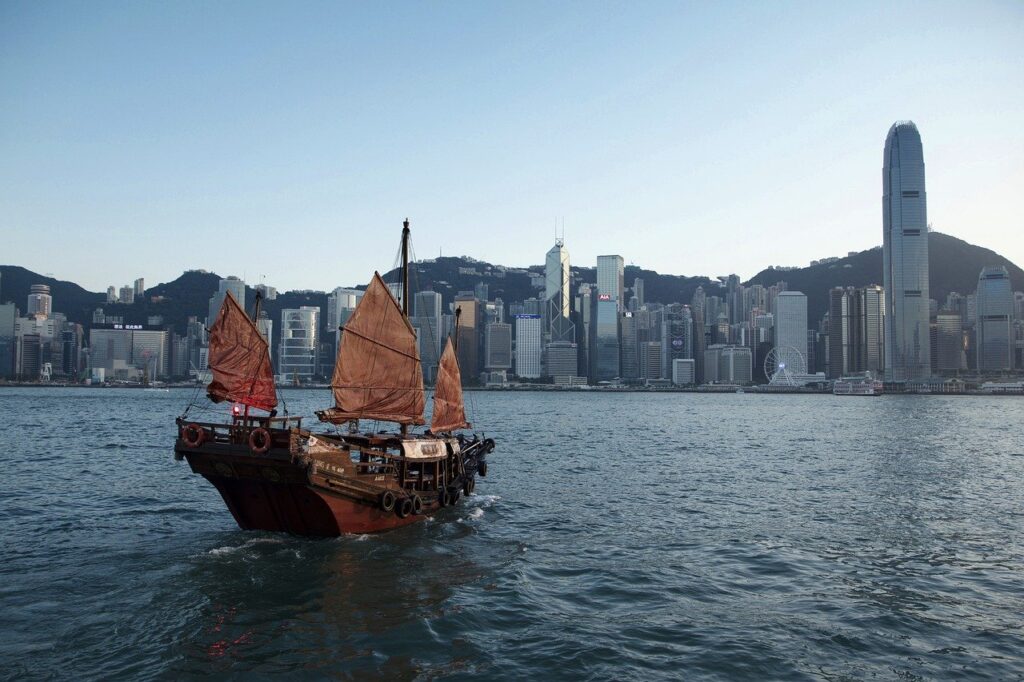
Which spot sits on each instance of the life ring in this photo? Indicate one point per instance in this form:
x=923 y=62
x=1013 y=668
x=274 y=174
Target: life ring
x=193 y=435
x=417 y=505
x=403 y=508
x=468 y=486
x=259 y=440
x=482 y=468
x=387 y=500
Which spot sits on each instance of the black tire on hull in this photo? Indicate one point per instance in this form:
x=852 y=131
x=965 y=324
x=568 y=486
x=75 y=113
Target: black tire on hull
x=404 y=508
x=469 y=486
x=387 y=500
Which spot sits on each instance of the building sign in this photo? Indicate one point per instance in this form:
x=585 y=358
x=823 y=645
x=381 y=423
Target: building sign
x=527 y=317
x=604 y=297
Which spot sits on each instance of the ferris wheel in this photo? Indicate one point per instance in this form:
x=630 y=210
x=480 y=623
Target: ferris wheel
x=783 y=364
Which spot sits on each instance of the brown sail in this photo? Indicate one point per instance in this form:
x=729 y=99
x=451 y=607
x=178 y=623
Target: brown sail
x=377 y=374
x=239 y=360
x=449 y=410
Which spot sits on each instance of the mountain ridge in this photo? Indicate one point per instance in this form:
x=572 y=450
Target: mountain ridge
x=954 y=265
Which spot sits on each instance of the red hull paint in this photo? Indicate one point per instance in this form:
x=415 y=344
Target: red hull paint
x=301 y=509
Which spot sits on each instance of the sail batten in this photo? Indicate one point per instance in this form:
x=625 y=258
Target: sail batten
x=239 y=360
x=377 y=374
x=449 y=409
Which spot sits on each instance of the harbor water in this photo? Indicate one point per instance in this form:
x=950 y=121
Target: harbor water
x=617 y=536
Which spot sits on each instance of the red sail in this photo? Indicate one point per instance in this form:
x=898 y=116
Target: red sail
x=377 y=374
x=449 y=410
x=239 y=360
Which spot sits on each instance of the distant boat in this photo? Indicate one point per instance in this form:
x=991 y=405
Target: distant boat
x=275 y=475
x=858 y=384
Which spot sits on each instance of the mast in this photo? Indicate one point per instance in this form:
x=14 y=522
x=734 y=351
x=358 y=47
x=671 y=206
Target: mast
x=405 y=268
x=256 y=308
x=405 y=286
x=458 y=314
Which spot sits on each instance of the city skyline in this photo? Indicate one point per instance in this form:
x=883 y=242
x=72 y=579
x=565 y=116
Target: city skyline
x=203 y=134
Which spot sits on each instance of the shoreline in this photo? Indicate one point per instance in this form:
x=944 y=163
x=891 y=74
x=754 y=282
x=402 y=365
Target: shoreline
x=756 y=389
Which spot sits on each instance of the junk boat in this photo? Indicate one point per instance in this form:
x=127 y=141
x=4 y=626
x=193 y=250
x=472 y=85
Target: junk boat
x=860 y=384
x=276 y=475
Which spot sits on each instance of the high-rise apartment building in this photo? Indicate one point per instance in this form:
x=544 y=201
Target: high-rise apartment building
x=994 y=329
x=905 y=256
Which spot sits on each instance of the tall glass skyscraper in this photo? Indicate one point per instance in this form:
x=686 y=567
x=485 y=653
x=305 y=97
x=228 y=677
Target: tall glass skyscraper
x=610 y=279
x=994 y=329
x=557 y=306
x=905 y=256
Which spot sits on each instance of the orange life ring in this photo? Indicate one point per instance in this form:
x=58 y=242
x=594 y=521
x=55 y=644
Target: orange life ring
x=193 y=435
x=259 y=440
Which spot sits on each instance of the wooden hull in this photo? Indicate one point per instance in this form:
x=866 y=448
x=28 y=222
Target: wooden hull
x=278 y=491
x=301 y=509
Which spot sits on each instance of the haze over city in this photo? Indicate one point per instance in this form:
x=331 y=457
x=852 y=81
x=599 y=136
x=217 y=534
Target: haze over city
x=288 y=143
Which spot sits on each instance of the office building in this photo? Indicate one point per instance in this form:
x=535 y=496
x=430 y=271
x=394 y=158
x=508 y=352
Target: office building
x=498 y=353
x=949 y=339
x=298 y=349
x=237 y=289
x=129 y=352
x=610 y=278
x=994 y=329
x=557 y=303
x=684 y=372
x=40 y=303
x=790 y=321
x=528 y=346
x=905 y=256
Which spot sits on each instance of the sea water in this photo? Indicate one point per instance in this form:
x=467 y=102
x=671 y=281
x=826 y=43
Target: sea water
x=617 y=536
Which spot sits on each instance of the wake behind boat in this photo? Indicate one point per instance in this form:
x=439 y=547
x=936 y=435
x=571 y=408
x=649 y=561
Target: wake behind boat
x=276 y=475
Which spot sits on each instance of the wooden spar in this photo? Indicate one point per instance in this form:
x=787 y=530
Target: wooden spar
x=405 y=284
x=405 y=268
x=458 y=314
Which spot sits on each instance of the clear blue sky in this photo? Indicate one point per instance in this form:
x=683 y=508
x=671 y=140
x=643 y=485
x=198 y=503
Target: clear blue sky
x=289 y=140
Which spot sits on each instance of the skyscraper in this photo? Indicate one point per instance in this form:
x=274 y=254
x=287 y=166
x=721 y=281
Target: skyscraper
x=297 y=353
x=905 y=255
x=40 y=303
x=867 y=331
x=610 y=278
x=528 y=346
x=994 y=328
x=232 y=284
x=557 y=305
x=791 y=321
